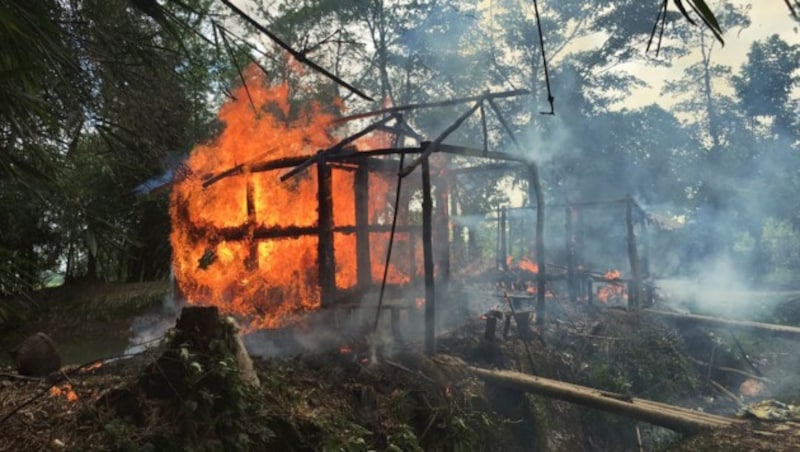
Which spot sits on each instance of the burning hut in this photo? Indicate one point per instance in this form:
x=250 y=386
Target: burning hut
x=277 y=216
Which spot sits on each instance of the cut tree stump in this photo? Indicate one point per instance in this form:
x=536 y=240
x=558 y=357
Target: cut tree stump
x=202 y=340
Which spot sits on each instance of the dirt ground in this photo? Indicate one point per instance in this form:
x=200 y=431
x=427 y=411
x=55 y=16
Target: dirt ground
x=347 y=398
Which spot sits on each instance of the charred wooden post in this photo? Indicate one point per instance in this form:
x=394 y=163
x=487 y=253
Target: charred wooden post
x=252 y=259
x=473 y=250
x=412 y=255
x=645 y=239
x=589 y=290
x=635 y=284
x=458 y=246
x=503 y=254
x=535 y=193
x=443 y=227
x=648 y=289
x=363 y=264
x=580 y=239
x=490 y=333
x=441 y=241
x=325 y=257
x=572 y=284
x=427 y=249
x=397 y=334
x=506 y=326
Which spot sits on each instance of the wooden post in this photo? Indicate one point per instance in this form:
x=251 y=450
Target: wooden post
x=572 y=286
x=412 y=255
x=648 y=289
x=363 y=264
x=458 y=259
x=634 y=292
x=397 y=334
x=473 y=251
x=503 y=238
x=645 y=237
x=442 y=233
x=427 y=248
x=325 y=257
x=580 y=239
x=252 y=258
x=535 y=193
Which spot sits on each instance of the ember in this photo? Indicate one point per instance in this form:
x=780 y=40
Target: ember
x=64 y=390
x=91 y=367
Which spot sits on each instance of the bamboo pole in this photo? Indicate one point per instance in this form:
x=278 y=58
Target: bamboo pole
x=769 y=329
x=673 y=417
x=444 y=103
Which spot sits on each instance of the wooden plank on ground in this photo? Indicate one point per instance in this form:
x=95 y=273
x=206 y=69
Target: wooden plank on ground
x=673 y=417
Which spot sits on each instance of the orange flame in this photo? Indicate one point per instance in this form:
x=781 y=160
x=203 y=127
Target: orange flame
x=216 y=258
x=611 y=292
x=612 y=275
x=419 y=303
x=528 y=265
x=64 y=390
x=91 y=367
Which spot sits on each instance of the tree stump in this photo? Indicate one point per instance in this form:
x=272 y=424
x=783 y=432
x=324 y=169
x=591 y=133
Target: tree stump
x=202 y=340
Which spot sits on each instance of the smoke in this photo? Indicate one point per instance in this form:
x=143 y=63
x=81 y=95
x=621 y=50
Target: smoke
x=148 y=329
x=717 y=287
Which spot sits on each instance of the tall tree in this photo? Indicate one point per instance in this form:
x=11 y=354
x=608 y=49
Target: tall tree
x=765 y=85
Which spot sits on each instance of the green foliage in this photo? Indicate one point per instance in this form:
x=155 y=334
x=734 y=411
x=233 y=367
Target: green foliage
x=212 y=405
x=403 y=439
x=118 y=436
x=766 y=83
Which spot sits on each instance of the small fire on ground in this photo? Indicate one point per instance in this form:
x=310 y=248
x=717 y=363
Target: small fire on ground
x=65 y=391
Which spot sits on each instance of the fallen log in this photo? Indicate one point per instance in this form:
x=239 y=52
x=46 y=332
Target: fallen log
x=676 y=418
x=771 y=329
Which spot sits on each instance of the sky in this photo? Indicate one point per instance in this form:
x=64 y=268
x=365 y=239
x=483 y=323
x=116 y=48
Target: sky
x=770 y=17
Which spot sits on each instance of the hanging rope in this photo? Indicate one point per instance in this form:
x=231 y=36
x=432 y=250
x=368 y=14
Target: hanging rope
x=550 y=98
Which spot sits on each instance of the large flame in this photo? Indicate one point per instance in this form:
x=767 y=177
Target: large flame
x=216 y=259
